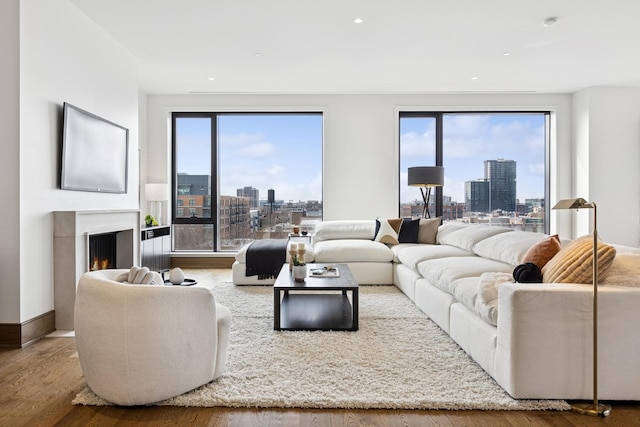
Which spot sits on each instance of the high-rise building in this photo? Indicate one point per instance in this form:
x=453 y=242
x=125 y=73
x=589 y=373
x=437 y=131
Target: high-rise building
x=476 y=195
x=501 y=175
x=252 y=193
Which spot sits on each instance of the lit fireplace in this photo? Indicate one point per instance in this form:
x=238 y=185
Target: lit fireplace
x=103 y=251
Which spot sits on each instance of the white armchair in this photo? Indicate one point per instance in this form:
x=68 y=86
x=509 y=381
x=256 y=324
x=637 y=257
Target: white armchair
x=140 y=344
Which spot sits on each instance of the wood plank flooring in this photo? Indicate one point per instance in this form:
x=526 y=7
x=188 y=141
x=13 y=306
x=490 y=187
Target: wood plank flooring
x=38 y=382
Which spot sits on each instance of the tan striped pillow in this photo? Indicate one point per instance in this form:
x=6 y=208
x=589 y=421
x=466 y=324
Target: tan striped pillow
x=574 y=262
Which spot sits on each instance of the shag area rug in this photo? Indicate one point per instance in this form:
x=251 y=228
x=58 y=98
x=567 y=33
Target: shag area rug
x=398 y=359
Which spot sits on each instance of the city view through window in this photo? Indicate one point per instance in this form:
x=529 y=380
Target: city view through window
x=494 y=166
x=240 y=177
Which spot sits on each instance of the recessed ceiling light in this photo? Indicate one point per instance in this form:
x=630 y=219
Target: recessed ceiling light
x=257 y=54
x=212 y=78
x=358 y=21
x=550 y=21
x=474 y=78
x=506 y=53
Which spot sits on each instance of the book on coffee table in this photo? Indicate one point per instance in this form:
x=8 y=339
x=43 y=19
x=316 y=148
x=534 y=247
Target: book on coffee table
x=326 y=271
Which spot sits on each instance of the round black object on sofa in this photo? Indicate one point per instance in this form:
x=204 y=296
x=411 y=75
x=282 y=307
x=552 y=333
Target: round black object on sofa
x=527 y=273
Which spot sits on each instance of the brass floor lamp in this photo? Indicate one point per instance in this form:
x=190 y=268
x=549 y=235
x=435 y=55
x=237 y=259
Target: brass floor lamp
x=593 y=408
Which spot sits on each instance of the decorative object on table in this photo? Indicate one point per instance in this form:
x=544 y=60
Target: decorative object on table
x=304 y=233
x=326 y=271
x=302 y=249
x=176 y=276
x=593 y=408
x=293 y=252
x=296 y=229
x=150 y=221
x=156 y=194
x=426 y=177
x=299 y=269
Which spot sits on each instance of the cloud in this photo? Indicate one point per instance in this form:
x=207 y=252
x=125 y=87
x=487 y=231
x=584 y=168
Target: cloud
x=263 y=149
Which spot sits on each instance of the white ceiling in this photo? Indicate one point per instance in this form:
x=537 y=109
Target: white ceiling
x=403 y=46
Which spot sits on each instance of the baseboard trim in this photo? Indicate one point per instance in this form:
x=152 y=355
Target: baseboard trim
x=17 y=335
x=202 y=262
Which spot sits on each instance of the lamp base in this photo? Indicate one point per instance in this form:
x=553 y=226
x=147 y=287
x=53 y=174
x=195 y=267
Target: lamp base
x=597 y=409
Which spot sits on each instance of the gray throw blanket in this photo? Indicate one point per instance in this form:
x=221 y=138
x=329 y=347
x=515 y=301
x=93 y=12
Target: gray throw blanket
x=265 y=258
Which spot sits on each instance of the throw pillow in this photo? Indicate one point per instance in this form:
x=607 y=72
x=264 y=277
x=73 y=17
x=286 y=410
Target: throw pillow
x=409 y=231
x=140 y=276
x=387 y=230
x=429 y=230
x=543 y=251
x=574 y=262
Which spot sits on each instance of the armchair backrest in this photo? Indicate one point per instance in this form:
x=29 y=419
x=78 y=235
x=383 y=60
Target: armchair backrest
x=127 y=334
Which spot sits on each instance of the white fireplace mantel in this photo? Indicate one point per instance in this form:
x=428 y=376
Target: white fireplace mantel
x=70 y=251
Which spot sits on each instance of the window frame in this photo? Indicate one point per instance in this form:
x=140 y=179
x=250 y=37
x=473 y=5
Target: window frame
x=214 y=206
x=439 y=147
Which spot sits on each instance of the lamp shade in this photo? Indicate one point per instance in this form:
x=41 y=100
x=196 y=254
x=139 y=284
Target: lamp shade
x=578 y=203
x=426 y=176
x=156 y=192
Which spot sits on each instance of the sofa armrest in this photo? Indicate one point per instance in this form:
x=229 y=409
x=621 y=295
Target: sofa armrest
x=545 y=341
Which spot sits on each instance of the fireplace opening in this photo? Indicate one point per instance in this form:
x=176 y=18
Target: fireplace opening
x=103 y=251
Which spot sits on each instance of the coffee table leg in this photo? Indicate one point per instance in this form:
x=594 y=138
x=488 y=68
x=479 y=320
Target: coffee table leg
x=276 y=310
x=354 y=309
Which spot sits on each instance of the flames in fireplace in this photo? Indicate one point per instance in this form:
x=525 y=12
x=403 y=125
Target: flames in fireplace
x=102 y=251
x=99 y=264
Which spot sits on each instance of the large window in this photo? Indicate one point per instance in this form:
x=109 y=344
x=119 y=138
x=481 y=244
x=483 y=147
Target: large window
x=238 y=177
x=494 y=164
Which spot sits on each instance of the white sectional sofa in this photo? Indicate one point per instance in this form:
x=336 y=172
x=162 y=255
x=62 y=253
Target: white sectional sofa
x=534 y=339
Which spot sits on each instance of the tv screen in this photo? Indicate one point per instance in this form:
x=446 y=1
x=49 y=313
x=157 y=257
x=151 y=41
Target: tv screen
x=94 y=153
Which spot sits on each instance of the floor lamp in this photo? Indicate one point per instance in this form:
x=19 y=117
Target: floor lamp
x=426 y=177
x=594 y=408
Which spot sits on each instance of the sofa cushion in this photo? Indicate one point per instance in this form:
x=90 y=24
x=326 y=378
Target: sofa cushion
x=411 y=255
x=428 y=230
x=540 y=253
x=409 y=231
x=345 y=229
x=468 y=237
x=508 y=247
x=352 y=250
x=387 y=230
x=574 y=262
x=447 y=228
x=442 y=272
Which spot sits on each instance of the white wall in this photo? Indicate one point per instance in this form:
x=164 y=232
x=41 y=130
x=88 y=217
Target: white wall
x=607 y=145
x=64 y=56
x=9 y=140
x=361 y=177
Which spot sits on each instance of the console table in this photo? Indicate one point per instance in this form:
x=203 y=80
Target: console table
x=155 y=247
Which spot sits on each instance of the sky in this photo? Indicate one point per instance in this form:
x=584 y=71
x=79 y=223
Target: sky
x=265 y=151
x=468 y=140
x=284 y=151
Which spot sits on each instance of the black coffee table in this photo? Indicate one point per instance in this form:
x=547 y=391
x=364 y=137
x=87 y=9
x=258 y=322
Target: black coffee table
x=318 y=303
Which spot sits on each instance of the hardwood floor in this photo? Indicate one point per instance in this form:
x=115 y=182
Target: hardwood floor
x=38 y=383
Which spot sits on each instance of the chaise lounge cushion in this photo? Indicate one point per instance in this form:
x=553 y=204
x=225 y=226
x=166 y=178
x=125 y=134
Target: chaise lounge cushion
x=352 y=250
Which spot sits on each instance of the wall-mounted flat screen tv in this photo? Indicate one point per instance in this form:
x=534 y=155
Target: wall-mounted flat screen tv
x=95 y=153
